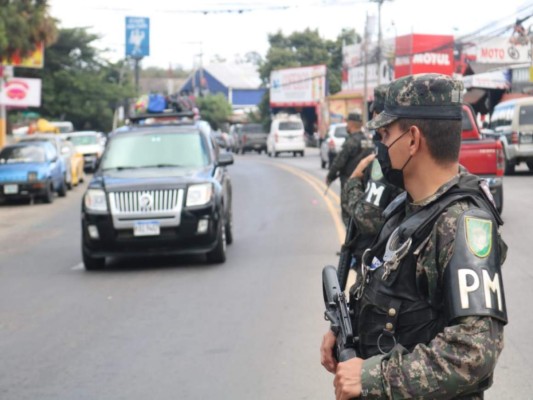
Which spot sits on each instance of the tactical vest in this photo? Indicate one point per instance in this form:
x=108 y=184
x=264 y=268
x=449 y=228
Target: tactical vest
x=392 y=308
x=370 y=207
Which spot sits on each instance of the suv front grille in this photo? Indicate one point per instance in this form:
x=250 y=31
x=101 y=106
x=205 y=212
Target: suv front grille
x=164 y=205
x=146 y=201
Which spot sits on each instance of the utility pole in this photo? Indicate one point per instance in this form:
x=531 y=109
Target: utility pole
x=380 y=39
x=365 y=74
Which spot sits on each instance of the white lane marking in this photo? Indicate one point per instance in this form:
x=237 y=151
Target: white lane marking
x=78 y=267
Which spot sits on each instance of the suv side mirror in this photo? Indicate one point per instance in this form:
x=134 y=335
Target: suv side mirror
x=225 y=158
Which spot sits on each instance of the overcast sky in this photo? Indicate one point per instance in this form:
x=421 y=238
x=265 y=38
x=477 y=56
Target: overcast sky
x=178 y=33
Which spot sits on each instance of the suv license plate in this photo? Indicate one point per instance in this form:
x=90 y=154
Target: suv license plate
x=11 y=189
x=146 y=228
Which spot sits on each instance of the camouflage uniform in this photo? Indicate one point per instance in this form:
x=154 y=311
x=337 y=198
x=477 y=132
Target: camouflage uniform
x=462 y=347
x=456 y=358
x=355 y=148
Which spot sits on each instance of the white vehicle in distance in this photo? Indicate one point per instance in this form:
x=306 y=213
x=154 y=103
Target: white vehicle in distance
x=332 y=143
x=90 y=145
x=286 y=136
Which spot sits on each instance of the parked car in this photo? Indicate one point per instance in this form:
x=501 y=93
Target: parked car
x=482 y=156
x=332 y=143
x=252 y=137
x=31 y=170
x=512 y=122
x=159 y=190
x=63 y=126
x=286 y=135
x=76 y=162
x=90 y=145
x=57 y=141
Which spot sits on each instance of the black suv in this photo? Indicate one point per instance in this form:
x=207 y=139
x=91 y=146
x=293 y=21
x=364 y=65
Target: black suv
x=160 y=190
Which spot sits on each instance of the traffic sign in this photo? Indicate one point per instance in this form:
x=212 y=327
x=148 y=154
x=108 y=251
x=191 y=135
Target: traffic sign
x=137 y=37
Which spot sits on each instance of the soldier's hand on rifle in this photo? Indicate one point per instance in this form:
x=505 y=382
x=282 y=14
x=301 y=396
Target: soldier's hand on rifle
x=347 y=380
x=327 y=358
x=360 y=169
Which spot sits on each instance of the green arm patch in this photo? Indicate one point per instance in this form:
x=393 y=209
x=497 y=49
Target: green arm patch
x=479 y=236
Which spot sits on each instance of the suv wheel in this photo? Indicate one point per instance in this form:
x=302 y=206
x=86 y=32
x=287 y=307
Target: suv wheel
x=229 y=230
x=530 y=165
x=218 y=254
x=509 y=167
x=92 y=263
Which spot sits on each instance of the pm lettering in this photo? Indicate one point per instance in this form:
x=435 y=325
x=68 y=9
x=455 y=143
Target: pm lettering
x=374 y=193
x=470 y=282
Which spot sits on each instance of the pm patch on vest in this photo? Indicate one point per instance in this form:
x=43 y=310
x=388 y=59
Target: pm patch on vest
x=473 y=279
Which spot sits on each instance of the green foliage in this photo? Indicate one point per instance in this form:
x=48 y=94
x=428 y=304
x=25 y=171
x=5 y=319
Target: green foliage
x=215 y=109
x=77 y=86
x=301 y=49
x=24 y=24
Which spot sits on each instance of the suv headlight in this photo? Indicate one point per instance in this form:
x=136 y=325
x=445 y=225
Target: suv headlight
x=198 y=195
x=95 y=200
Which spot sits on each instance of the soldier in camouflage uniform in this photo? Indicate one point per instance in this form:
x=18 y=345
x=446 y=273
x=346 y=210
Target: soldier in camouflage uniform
x=367 y=193
x=431 y=309
x=355 y=147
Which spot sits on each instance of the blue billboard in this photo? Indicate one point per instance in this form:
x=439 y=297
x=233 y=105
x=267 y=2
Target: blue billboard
x=137 y=36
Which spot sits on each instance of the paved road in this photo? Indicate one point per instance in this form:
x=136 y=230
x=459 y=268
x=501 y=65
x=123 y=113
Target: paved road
x=178 y=328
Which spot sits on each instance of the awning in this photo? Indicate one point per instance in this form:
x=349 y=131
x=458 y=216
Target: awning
x=488 y=80
x=474 y=95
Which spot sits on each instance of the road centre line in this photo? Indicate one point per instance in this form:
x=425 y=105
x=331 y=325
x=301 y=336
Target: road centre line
x=319 y=188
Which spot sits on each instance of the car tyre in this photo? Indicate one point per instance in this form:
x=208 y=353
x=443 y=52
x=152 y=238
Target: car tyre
x=62 y=191
x=48 y=197
x=302 y=153
x=92 y=263
x=509 y=167
x=218 y=254
x=530 y=165
x=294 y=153
x=276 y=154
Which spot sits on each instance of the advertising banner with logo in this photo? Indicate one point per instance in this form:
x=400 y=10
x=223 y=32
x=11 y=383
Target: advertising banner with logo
x=417 y=53
x=20 y=92
x=137 y=36
x=501 y=50
x=33 y=60
x=298 y=87
x=488 y=80
x=356 y=77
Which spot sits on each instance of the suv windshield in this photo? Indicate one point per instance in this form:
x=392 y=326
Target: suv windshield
x=290 y=126
x=252 y=128
x=180 y=149
x=26 y=154
x=502 y=116
x=83 y=140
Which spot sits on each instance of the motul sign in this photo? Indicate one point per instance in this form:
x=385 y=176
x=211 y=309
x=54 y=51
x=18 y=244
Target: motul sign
x=416 y=54
x=432 y=59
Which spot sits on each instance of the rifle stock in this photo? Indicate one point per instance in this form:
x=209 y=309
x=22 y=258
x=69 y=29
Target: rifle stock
x=345 y=258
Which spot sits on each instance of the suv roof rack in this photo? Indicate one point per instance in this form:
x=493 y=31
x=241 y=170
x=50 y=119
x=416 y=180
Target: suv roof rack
x=164 y=118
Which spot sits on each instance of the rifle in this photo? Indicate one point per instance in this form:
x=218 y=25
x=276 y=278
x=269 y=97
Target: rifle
x=338 y=315
x=345 y=259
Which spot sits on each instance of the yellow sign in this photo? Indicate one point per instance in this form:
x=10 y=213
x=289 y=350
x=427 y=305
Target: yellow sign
x=33 y=60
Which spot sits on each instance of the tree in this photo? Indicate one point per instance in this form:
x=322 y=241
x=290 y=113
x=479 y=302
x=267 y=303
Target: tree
x=23 y=25
x=77 y=85
x=215 y=109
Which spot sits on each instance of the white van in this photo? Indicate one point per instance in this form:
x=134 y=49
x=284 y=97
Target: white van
x=512 y=122
x=286 y=136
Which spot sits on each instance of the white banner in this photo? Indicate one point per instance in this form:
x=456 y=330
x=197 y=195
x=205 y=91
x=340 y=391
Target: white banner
x=488 y=80
x=20 y=92
x=356 y=77
x=298 y=86
x=501 y=50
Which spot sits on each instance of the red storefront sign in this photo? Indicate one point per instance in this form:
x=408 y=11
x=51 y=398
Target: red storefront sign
x=417 y=53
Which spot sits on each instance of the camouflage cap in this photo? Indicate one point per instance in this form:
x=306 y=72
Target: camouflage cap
x=423 y=96
x=379 y=98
